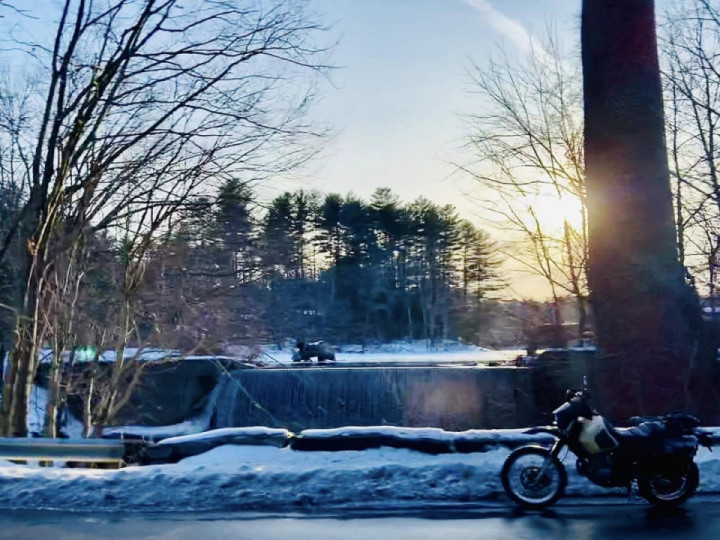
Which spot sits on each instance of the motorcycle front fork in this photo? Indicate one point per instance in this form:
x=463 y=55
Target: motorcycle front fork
x=554 y=454
x=557 y=448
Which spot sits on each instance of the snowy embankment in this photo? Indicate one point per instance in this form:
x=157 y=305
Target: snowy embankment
x=254 y=477
x=398 y=352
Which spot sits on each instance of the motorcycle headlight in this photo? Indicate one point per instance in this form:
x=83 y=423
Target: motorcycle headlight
x=564 y=416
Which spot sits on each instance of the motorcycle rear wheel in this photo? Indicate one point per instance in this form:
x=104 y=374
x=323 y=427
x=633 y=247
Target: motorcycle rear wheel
x=667 y=489
x=533 y=478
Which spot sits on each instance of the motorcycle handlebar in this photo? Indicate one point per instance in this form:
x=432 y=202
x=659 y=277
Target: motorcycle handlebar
x=580 y=394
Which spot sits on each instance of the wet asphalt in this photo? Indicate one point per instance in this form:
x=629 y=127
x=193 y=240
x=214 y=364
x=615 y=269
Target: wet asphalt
x=697 y=520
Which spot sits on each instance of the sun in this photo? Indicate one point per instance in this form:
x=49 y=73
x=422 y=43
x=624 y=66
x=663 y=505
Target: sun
x=553 y=211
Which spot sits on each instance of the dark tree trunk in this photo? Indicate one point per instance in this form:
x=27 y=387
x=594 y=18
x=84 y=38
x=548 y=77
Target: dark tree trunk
x=23 y=358
x=21 y=373
x=582 y=314
x=641 y=304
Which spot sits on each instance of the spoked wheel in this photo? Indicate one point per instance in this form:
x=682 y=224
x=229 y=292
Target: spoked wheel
x=670 y=489
x=533 y=478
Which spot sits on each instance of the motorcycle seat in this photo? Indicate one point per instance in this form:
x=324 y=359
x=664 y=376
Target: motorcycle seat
x=642 y=431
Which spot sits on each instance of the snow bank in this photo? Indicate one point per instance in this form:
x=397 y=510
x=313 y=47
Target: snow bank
x=90 y=355
x=429 y=440
x=273 y=478
x=268 y=478
x=260 y=478
x=242 y=433
x=447 y=351
x=417 y=346
x=176 y=448
x=197 y=424
x=389 y=431
x=274 y=357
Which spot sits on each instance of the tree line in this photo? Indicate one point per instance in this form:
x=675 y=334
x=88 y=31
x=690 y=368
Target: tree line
x=231 y=270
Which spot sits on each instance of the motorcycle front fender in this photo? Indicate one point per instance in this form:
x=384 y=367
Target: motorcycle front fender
x=554 y=432
x=550 y=430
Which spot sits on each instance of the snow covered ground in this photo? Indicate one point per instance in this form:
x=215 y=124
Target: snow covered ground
x=401 y=352
x=416 y=351
x=249 y=477
x=253 y=477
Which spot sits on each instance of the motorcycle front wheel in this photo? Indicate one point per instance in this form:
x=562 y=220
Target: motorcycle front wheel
x=669 y=488
x=533 y=478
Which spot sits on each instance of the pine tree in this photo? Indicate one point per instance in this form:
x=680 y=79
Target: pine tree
x=236 y=229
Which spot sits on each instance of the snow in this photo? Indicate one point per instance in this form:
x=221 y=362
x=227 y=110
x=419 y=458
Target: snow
x=260 y=478
x=417 y=351
x=37 y=404
x=155 y=433
x=225 y=433
x=417 y=346
x=272 y=478
x=147 y=354
x=390 y=431
x=487 y=436
x=247 y=477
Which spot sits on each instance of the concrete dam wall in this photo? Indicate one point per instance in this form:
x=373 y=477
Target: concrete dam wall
x=452 y=398
x=167 y=392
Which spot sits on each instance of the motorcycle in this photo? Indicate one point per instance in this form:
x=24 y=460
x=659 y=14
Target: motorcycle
x=656 y=453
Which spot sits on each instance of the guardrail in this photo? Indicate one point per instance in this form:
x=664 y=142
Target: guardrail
x=42 y=449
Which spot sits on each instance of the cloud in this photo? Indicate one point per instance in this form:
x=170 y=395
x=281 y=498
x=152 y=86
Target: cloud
x=510 y=28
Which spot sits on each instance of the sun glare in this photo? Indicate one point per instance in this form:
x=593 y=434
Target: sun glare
x=553 y=212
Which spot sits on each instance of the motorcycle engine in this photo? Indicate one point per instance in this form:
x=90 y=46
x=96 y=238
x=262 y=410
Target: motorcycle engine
x=601 y=470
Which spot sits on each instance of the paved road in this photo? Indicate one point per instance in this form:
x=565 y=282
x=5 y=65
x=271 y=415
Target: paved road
x=698 y=521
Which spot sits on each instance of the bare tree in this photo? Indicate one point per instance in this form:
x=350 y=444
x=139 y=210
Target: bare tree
x=691 y=45
x=142 y=105
x=528 y=147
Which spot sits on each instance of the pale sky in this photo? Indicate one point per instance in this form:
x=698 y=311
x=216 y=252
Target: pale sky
x=404 y=80
x=396 y=99
x=401 y=85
